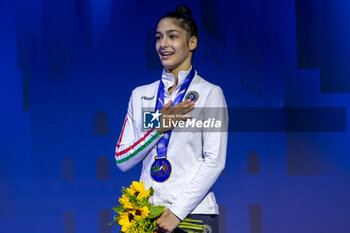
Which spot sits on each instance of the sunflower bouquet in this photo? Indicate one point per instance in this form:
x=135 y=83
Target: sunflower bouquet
x=136 y=214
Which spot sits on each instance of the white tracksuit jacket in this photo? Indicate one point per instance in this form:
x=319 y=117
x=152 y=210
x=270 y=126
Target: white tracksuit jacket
x=197 y=158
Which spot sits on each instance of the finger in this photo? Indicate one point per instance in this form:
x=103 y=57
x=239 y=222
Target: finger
x=166 y=107
x=164 y=229
x=160 y=219
x=168 y=104
x=183 y=103
x=184 y=111
x=188 y=104
x=161 y=229
x=184 y=108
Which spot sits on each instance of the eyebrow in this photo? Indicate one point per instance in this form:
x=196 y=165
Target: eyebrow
x=169 y=31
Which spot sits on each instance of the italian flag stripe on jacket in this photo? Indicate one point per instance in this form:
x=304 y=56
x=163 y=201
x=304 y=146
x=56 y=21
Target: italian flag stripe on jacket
x=137 y=147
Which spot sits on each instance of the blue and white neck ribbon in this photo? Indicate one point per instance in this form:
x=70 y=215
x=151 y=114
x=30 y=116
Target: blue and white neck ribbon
x=162 y=145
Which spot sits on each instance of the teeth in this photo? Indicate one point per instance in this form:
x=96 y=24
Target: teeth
x=165 y=54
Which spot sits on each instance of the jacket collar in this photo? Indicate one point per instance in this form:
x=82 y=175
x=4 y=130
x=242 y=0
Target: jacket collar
x=168 y=79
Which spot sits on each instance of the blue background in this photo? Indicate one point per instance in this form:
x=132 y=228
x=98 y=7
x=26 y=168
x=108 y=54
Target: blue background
x=67 y=70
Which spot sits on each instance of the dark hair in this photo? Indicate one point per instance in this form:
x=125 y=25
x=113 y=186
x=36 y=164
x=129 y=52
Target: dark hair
x=184 y=20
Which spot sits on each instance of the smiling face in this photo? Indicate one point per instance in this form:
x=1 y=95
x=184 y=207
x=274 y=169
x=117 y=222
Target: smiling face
x=173 y=46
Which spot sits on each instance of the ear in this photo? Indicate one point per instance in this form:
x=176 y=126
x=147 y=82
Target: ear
x=192 y=43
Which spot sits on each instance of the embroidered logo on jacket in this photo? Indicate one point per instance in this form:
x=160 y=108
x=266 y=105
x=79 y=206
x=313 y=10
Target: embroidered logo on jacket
x=192 y=95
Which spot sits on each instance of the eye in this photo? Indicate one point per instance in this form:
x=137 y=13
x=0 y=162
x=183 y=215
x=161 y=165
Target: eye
x=158 y=37
x=173 y=36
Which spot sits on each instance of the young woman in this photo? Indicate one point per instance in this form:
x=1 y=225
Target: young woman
x=180 y=166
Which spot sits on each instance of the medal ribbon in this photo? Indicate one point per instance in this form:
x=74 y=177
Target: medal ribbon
x=162 y=145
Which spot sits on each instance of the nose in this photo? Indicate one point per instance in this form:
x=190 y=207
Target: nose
x=164 y=42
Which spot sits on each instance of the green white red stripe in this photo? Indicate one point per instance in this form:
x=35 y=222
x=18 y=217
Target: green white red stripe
x=160 y=100
x=136 y=147
x=121 y=135
x=180 y=93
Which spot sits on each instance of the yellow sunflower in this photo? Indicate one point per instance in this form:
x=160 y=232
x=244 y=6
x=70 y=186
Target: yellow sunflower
x=125 y=202
x=126 y=219
x=142 y=212
x=138 y=189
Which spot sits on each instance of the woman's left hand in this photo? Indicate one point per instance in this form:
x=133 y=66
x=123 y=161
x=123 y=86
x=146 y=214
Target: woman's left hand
x=167 y=221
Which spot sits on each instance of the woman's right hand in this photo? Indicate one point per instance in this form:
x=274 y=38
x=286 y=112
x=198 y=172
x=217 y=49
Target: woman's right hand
x=174 y=114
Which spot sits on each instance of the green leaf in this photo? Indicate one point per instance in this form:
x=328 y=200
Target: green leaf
x=152 y=192
x=155 y=211
x=118 y=209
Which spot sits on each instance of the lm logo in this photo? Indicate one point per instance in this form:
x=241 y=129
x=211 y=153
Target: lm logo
x=151 y=120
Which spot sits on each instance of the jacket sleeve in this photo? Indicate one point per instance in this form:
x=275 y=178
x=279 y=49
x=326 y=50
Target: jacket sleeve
x=133 y=144
x=214 y=157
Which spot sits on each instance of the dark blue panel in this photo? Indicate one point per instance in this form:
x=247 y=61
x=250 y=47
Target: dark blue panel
x=307 y=154
x=257 y=120
x=101 y=123
x=152 y=59
x=104 y=218
x=253 y=163
x=102 y=168
x=288 y=119
x=250 y=29
x=308 y=15
x=68 y=222
x=316 y=119
x=335 y=69
x=67 y=169
x=255 y=218
x=210 y=17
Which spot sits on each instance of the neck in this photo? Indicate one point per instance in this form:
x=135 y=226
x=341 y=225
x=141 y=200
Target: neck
x=185 y=65
x=170 y=90
x=175 y=73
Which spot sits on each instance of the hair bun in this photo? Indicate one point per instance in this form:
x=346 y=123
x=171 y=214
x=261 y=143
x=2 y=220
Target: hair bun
x=183 y=9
